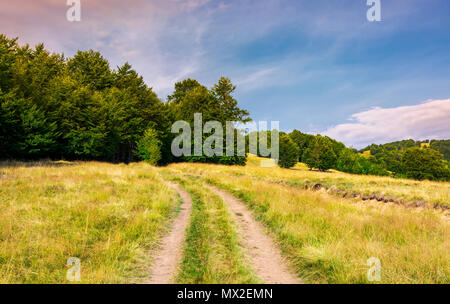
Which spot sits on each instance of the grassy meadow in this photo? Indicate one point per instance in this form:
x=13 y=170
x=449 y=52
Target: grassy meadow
x=402 y=191
x=112 y=216
x=109 y=216
x=328 y=238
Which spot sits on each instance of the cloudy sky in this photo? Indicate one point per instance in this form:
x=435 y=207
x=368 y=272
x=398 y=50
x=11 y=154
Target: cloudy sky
x=316 y=66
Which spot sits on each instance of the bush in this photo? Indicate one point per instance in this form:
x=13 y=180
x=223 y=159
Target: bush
x=425 y=163
x=149 y=147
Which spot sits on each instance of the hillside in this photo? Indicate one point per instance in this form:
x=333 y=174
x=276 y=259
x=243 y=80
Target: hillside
x=442 y=146
x=326 y=225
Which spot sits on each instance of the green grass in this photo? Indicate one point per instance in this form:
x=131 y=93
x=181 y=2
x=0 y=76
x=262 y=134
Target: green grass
x=212 y=254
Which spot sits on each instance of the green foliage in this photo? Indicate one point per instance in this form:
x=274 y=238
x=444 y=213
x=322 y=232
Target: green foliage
x=149 y=147
x=391 y=156
x=320 y=155
x=288 y=152
x=370 y=166
x=442 y=146
x=215 y=104
x=425 y=163
x=302 y=140
x=349 y=162
x=78 y=108
x=75 y=108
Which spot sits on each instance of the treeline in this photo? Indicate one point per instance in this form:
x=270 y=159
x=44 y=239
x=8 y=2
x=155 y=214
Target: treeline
x=398 y=147
x=56 y=107
x=79 y=108
x=410 y=159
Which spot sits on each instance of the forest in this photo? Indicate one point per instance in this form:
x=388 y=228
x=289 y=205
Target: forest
x=53 y=106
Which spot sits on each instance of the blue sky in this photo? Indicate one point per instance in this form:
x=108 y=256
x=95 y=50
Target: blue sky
x=316 y=66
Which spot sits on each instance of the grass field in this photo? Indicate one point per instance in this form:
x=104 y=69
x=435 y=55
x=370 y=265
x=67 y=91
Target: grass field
x=328 y=238
x=403 y=191
x=111 y=217
x=108 y=216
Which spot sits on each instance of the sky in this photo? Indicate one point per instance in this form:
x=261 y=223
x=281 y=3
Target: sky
x=316 y=66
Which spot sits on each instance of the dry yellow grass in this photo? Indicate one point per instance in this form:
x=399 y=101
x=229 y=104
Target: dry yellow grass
x=330 y=238
x=110 y=216
x=107 y=215
x=404 y=190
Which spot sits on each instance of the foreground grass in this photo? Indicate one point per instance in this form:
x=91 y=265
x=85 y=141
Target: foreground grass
x=106 y=215
x=212 y=254
x=405 y=191
x=329 y=239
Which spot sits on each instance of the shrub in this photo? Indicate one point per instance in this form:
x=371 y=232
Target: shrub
x=149 y=147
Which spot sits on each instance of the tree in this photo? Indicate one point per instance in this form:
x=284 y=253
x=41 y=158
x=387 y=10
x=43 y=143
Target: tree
x=226 y=104
x=288 y=152
x=425 y=163
x=302 y=140
x=215 y=104
x=91 y=69
x=348 y=162
x=320 y=154
x=149 y=147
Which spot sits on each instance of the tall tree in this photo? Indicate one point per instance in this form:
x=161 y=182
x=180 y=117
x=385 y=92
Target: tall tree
x=320 y=154
x=288 y=152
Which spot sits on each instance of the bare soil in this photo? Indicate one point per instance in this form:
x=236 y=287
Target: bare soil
x=261 y=250
x=170 y=253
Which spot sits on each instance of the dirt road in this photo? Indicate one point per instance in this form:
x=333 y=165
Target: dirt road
x=168 y=257
x=266 y=257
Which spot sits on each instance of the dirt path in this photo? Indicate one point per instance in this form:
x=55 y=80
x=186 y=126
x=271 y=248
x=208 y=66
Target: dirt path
x=170 y=254
x=267 y=261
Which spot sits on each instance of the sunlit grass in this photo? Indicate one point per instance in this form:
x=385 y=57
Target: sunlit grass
x=405 y=191
x=108 y=216
x=329 y=238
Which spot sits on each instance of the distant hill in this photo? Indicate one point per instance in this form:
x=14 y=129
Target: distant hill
x=443 y=146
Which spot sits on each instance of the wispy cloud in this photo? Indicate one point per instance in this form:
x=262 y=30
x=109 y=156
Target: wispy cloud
x=429 y=120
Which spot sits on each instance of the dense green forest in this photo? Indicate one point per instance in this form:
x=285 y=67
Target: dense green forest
x=79 y=108
x=52 y=106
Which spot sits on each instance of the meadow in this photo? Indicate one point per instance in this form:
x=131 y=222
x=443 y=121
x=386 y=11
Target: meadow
x=112 y=216
x=108 y=216
x=406 y=192
x=329 y=238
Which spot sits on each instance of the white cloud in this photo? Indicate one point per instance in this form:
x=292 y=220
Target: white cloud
x=429 y=120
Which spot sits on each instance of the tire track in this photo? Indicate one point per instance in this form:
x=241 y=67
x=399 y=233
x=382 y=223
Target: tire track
x=266 y=257
x=168 y=257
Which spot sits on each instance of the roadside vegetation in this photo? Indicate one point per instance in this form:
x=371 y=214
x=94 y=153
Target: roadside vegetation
x=108 y=216
x=329 y=239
